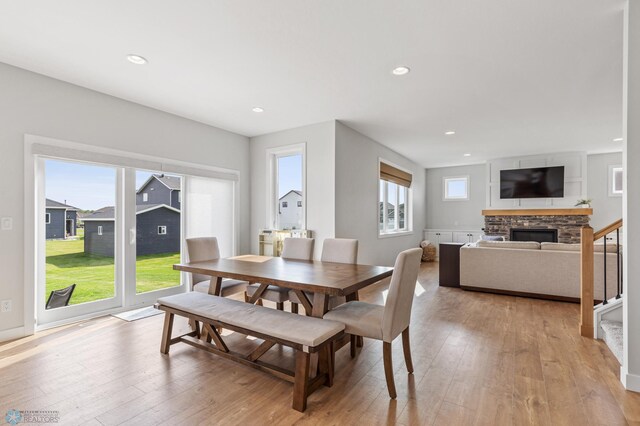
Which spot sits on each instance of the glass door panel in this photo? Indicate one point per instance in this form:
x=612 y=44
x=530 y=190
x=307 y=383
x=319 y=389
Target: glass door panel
x=80 y=228
x=158 y=230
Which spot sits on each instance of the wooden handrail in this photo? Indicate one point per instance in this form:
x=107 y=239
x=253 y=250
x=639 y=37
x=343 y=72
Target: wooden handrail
x=607 y=230
x=587 y=238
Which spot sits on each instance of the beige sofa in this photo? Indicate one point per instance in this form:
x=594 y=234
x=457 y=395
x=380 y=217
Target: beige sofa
x=547 y=270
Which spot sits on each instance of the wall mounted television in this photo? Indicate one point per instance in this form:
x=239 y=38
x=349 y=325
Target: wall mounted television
x=539 y=182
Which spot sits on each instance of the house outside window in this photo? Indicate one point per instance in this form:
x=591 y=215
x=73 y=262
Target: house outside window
x=162 y=230
x=284 y=204
x=286 y=187
x=47 y=218
x=455 y=188
x=299 y=203
x=394 y=200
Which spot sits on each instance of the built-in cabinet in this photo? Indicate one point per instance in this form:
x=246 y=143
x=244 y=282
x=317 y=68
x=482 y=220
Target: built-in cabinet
x=437 y=236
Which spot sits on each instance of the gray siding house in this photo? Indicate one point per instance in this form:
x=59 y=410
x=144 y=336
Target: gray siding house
x=160 y=189
x=61 y=220
x=157 y=230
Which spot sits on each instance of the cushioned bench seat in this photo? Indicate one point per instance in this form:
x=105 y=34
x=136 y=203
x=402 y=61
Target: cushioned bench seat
x=306 y=331
x=306 y=335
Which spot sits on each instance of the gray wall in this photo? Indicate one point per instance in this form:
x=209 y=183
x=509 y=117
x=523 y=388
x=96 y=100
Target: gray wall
x=606 y=209
x=34 y=104
x=356 y=211
x=100 y=245
x=56 y=225
x=147 y=239
x=158 y=193
x=466 y=215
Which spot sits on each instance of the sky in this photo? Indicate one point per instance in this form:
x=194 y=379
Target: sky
x=289 y=174
x=87 y=187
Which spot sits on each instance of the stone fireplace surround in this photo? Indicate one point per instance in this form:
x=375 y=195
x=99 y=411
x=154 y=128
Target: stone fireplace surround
x=568 y=222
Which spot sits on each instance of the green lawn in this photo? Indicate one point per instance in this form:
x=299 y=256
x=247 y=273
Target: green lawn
x=94 y=275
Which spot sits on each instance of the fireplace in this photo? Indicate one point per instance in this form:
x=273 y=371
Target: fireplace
x=529 y=234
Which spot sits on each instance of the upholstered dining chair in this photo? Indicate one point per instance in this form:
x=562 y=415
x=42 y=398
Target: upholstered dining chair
x=292 y=249
x=206 y=248
x=389 y=321
x=337 y=250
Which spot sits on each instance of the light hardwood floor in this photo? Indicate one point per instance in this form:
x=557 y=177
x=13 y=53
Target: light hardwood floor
x=478 y=358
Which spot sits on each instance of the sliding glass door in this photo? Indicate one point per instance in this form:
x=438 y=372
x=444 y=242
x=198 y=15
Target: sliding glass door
x=108 y=236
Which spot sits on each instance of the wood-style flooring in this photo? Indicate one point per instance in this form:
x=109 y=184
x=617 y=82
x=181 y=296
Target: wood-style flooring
x=478 y=358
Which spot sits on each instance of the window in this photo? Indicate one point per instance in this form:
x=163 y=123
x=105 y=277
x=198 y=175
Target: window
x=99 y=229
x=286 y=186
x=145 y=197
x=162 y=230
x=394 y=205
x=615 y=181
x=456 y=188
x=47 y=218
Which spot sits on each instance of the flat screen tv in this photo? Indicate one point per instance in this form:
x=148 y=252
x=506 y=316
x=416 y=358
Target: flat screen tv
x=539 y=182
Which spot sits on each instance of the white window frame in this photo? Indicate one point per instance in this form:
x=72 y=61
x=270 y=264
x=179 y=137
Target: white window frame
x=162 y=230
x=408 y=209
x=445 y=189
x=100 y=230
x=273 y=200
x=613 y=169
x=299 y=204
x=47 y=218
x=145 y=197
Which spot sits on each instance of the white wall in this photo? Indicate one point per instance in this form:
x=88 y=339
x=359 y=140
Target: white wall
x=35 y=104
x=606 y=209
x=357 y=196
x=320 y=170
x=468 y=214
x=630 y=371
x=462 y=214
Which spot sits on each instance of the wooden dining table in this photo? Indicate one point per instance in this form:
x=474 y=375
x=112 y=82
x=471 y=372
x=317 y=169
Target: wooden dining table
x=323 y=279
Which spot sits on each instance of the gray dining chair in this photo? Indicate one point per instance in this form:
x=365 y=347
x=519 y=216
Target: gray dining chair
x=206 y=248
x=389 y=321
x=337 y=250
x=292 y=249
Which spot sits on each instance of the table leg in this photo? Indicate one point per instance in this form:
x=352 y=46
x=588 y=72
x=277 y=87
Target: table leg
x=215 y=286
x=351 y=297
x=320 y=307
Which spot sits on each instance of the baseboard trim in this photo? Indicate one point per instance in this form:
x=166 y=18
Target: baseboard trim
x=522 y=294
x=631 y=382
x=12 y=334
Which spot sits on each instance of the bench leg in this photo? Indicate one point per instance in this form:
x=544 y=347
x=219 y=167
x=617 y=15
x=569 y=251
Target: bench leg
x=280 y=306
x=166 y=333
x=301 y=384
x=326 y=364
x=352 y=346
x=294 y=308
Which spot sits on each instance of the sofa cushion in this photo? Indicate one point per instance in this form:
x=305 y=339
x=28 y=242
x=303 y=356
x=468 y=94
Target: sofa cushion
x=527 y=245
x=492 y=238
x=560 y=246
x=611 y=248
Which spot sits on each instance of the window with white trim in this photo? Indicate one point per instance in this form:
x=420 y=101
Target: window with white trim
x=47 y=218
x=99 y=229
x=455 y=188
x=286 y=186
x=162 y=230
x=145 y=197
x=394 y=196
x=615 y=181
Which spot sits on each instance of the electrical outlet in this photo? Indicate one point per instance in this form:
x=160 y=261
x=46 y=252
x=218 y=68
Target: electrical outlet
x=5 y=306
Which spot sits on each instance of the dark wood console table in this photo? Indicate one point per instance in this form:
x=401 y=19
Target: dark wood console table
x=450 y=264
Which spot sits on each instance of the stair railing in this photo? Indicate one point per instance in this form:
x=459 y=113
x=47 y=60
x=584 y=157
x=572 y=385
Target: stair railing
x=587 y=240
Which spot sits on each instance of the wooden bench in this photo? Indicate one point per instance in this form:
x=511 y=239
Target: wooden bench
x=306 y=335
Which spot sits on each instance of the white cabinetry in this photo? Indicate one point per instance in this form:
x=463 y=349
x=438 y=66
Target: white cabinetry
x=437 y=236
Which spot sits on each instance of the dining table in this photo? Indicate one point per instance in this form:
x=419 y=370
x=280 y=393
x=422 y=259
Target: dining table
x=322 y=279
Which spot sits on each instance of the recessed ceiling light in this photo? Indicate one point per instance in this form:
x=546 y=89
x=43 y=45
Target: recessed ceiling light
x=400 y=70
x=618 y=140
x=467 y=155
x=257 y=109
x=450 y=132
x=136 y=59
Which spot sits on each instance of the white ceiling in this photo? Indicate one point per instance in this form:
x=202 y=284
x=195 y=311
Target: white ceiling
x=511 y=77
